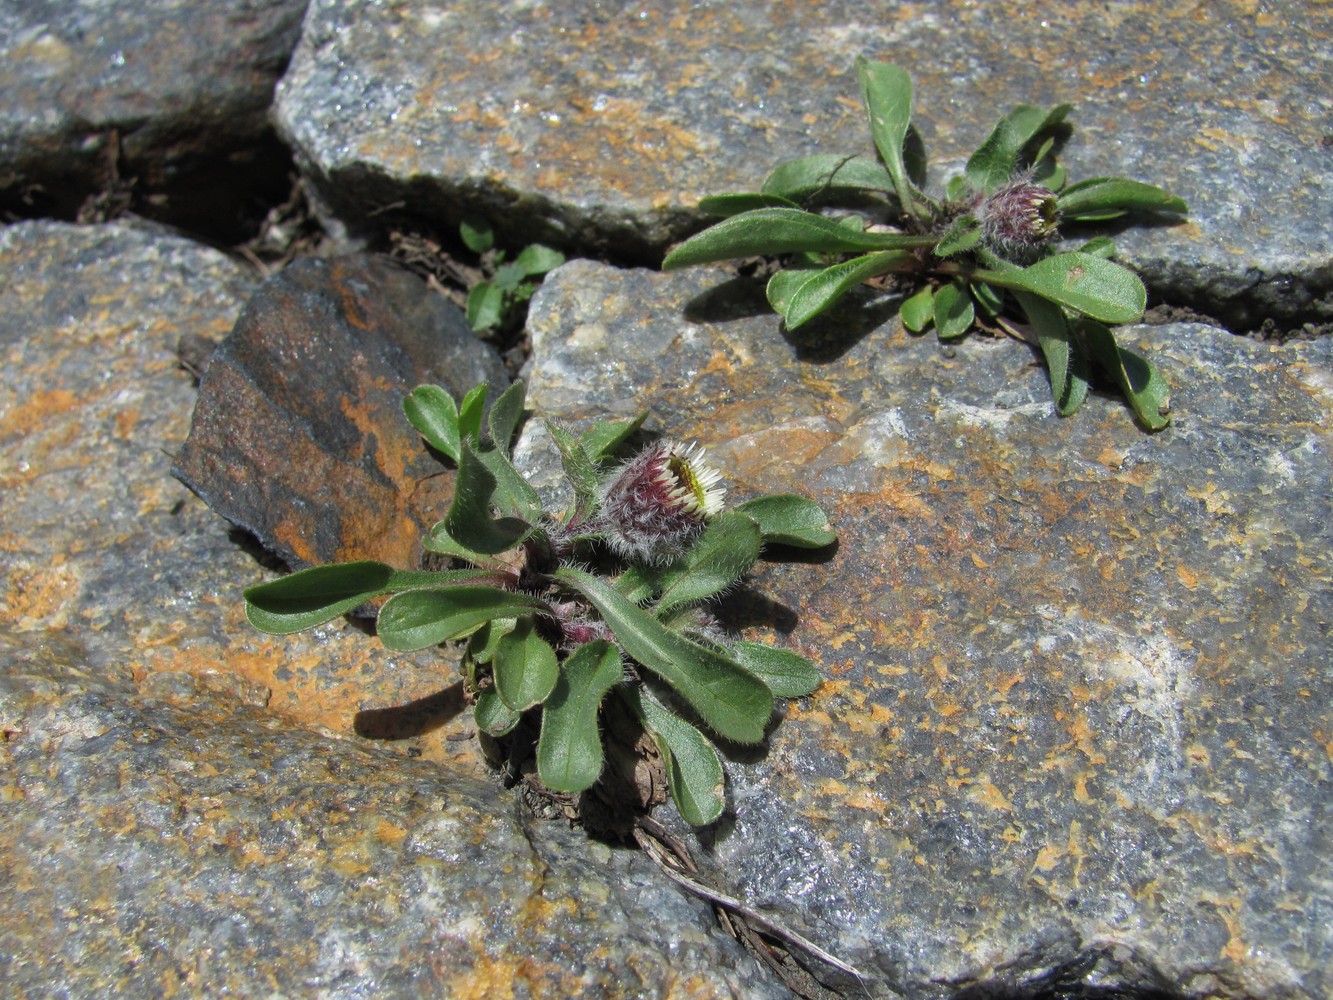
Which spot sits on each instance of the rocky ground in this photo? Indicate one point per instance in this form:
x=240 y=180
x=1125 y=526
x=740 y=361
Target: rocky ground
x=1074 y=738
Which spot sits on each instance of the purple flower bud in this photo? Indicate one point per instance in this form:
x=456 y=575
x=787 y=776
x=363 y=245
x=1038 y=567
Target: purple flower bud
x=1019 y=217
x=659 y=502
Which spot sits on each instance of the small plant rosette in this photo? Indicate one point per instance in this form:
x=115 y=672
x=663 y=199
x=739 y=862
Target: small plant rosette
x=983 y=256
x=602 y=608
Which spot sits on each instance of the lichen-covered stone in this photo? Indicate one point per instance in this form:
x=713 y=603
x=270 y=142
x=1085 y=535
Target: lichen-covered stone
x=299 y=434
x=184 y=804
x=1074 y=728
x=172 y=94
x=600 y=126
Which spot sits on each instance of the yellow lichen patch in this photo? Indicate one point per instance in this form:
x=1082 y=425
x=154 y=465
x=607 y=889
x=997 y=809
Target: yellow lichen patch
x=1187 y=576
x=37 y=596
x=984 y=791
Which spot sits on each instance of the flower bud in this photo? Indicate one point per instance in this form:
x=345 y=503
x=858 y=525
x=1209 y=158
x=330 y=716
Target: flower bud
x=659 y=501
x=1019 y=217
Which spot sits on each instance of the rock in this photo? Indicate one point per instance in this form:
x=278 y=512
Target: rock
x=601 y=128
x=172 y=95
x=299 y=434
x=185 y=806
x=1074 y=733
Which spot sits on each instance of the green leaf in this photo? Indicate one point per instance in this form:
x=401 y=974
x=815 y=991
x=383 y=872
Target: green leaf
x=420 y=618
x=601 y=440
x=434 y=414
x=772 y=231
x=477 y=235
x=314 y=596
x=788 y=519
x=469 y=521
x=826 y=287
x=513 y=494
x=569 y=750
x=963 y=234
x=579 y=470
x=957 y=188
x=953 y=310
x=735 y=204
x=639 y=582
x=470 y=411
x=1099 y=246
x=481 y=646
x=485 y=306
x=492 y=715
x=506 y=415
x=723 y=554
x=694 y=772
x=733 y=702
x=826 y=172
x=784 y=284
x=525 y=666
x=1098 y=288
x=1109 y=197
x=918 y=311
x=996 y=160
x=886 y=92
x=1143 y=385
x=538 y=259
x=988 y=299
x=788 y=674
x=1067 y=367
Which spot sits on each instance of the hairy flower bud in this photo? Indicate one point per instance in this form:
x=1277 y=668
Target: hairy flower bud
x=1019 y=217
x=659 y=502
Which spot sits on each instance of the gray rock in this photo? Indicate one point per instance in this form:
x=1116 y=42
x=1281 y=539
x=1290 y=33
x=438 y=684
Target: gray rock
x=185 y=803
x=171 y=93
x=600 y=127
x=1075 y=728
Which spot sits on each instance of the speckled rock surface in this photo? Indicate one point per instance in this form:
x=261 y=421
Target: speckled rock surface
x=1075 y=730
x=600 y=126
x=184 y=85
x=299 y=434
x=184 y=805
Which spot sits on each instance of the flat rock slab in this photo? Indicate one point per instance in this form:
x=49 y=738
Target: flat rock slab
x=299 y=434
x=183 y=806
x=601 y=126
x=172 y=93
x=1075 y=728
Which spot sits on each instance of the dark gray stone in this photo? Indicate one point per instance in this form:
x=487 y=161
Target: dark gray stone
x=1075 y=727
x=171 y=93
x=184 y=804
x=599 y=127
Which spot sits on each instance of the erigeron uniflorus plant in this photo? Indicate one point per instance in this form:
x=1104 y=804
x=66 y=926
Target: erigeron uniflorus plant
x=602 y=609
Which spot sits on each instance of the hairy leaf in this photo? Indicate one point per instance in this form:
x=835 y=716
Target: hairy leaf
x=736 y=704
x=469 y=521
x=1094 y=286
x=601 y=440
x=1143 y=385
x=784 y=284
x=788 y=674
x=918 y=310
x=953 y=310
x=434 y=414
x=420 y=618
x=771 y=231
x=569 y=750
x=996 y=160
x=788 y=519
x=963 y=234
x=827 y=286
x=826 y=172
x=724 y=553
x=886 y=92
x=1066 y=365
x=506 y=415
x=694 y=772
x=492 y=715
x=1109 y=197
x=525 y=666
x=537 y=259
x=485 y=305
